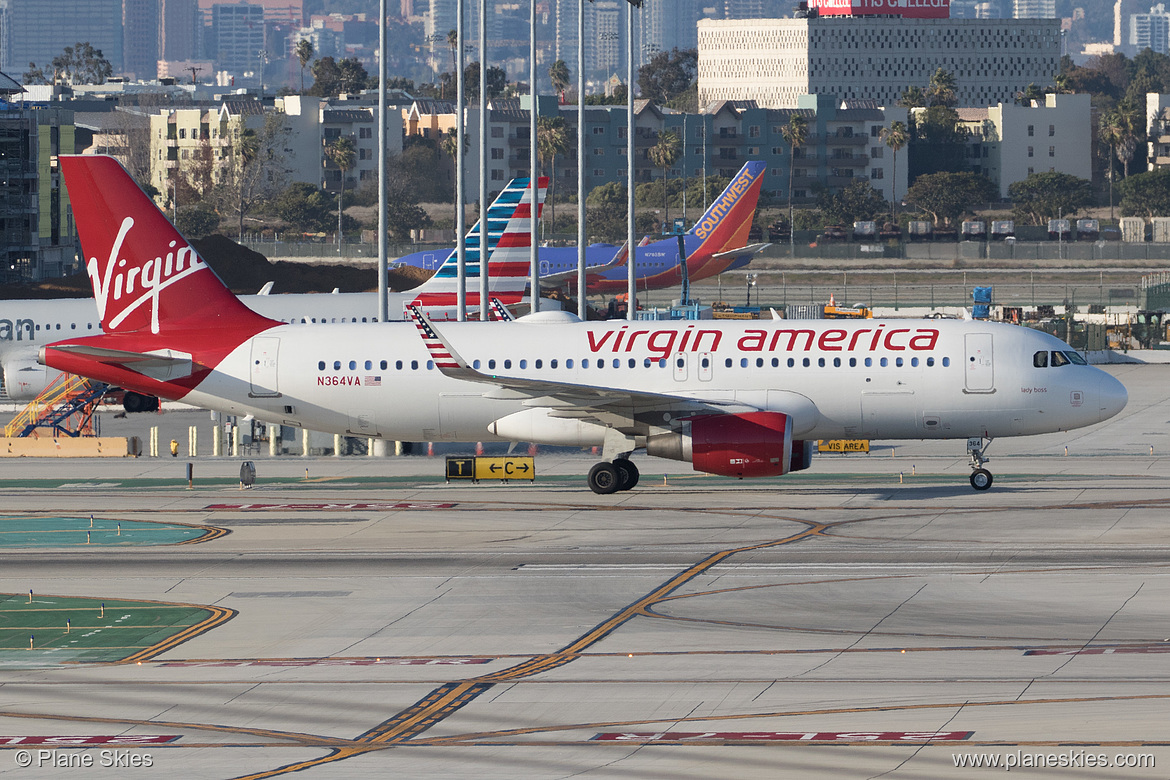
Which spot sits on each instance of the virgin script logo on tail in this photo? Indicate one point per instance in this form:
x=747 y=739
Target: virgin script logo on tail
x=146 y=282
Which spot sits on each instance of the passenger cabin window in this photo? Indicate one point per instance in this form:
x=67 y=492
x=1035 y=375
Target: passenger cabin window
x=1040 y=360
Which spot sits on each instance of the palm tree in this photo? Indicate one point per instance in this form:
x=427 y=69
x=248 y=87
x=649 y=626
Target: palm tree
x=304 y=52
x=1110 y=132
x=343 y=154
x=795 y=133
x=913 y=97
x=895 y=137
x=453 y=42
x=664 y=154
x=558 y=72
x=552 y=138
x=943 y=89
x=449 y=147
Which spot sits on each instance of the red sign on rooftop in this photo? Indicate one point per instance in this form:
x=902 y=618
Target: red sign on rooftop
x=912 y=9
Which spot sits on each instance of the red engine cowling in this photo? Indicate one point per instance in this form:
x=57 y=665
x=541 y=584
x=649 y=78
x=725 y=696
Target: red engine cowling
x=754 y=444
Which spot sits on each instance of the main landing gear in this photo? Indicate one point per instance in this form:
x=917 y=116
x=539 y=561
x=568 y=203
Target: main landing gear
x=610 y=477
x=981 y=478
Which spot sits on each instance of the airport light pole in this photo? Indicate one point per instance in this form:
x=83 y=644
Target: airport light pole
x=460 y=211
x=632 y=275
x=581 y=307
x=483 y=204
x=383 y=270
x=533 y=174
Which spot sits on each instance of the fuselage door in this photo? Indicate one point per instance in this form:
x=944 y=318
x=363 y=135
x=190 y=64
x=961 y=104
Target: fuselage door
x=680 y=366
x=705 y=363
x=263 y=372
x=979 y=363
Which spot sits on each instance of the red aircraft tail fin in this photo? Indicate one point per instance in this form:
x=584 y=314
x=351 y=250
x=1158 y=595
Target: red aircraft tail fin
x=146 y=278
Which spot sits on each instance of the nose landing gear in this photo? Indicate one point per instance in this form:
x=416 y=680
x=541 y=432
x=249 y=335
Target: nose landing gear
x=981 y=478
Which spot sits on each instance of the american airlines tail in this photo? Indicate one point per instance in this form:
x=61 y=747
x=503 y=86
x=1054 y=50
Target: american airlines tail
x=509 y=220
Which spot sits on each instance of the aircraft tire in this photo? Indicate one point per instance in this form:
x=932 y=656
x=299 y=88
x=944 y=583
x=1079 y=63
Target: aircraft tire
x=133 y=402
x=627 y=473
x=604 y=479
x=981 y=479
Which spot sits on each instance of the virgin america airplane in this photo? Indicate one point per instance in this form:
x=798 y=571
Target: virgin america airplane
x=736 y=398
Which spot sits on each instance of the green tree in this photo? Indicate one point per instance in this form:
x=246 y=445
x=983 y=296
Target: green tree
x=1044 y=196
x=1032 y=92
x=558 y=73
x=796 y=134
x=668 y=74
x=332 y=78
x=304 y=52
x=256 y=168
x=450 y=148
x=858 y=201
x=80 y=63
x=343 y=154
x=403 y=216
x=553 y=138
x=946 y=196
x=305 y=207
x=913 y=97
x=895 y=137
x=197 y=221
x=942 y=89
x=453 y=44
x=497 y=80
x=606 y=213
x=938 y=142
x=1146 y=194
x=664 y=154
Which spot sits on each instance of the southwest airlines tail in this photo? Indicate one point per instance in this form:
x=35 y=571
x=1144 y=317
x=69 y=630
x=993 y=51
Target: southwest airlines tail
x=725 y=224
x=509 y=221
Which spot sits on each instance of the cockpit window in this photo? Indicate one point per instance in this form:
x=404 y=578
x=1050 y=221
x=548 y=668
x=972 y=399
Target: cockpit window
x=1076 y=358
x=1058 y=359
x=1040 y=360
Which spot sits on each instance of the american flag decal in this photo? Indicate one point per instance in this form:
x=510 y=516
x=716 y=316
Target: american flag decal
x=373 y=381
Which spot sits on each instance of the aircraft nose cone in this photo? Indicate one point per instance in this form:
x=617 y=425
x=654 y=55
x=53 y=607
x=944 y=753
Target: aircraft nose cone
x=1112 y=394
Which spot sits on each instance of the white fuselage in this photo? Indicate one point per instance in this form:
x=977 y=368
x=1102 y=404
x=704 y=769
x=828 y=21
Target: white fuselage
x=890 y=379
x=26 y=325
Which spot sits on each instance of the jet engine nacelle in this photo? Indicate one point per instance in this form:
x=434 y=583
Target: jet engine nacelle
x=25 y=378
x=753 y=444
x=539 y=426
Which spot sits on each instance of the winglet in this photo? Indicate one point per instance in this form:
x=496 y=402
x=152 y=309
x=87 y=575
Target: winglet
x=500 y=311
x=446 y=359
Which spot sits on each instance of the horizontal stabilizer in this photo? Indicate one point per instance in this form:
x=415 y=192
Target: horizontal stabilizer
x=161 y=364
x=750 y=249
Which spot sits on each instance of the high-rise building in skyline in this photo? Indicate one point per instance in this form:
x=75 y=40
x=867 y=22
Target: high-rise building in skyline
x=140 y=37
x=1150 y=30
x=38 y=30
x=237 y=37
x=178 y=31
x=1034 y=9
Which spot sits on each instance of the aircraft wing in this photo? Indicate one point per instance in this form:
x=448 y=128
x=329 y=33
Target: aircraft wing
x=619 y=259
x=162 y=365
x=617 y=407
x=750 y=249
